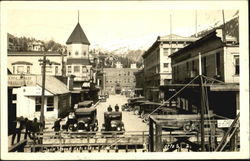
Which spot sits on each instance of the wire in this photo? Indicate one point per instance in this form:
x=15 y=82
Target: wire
x=175 y=94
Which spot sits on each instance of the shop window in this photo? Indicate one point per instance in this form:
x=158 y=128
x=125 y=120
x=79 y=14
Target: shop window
x=237 y=64
x=38 y=103
x=69 y=69
x=50 y=103
x=76 y=69
x=28 y=69
x=20 y=69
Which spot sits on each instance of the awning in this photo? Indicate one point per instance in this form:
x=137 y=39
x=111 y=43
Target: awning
x=53 y=85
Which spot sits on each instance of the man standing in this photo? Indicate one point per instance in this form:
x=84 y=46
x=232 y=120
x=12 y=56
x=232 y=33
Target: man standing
x=116 y=108
x=18 y=129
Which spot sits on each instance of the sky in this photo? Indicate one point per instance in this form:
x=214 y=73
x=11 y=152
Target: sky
x=111 y=25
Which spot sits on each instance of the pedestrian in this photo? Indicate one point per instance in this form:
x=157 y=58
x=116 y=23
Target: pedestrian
x=110 y=108
x=35 y=128
x=19 y=123
x=57 y=126
x=28 y=128
x=116 y=108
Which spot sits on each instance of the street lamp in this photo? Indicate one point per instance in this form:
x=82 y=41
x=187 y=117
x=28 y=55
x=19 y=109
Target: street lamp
x=43 y=62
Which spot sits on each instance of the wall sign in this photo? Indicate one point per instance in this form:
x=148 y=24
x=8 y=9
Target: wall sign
x=18 y=80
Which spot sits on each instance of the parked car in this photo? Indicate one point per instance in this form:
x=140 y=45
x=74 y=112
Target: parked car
x=136 y=106
x=103 y=98
x=84 y=104
x=147 y=108
x=113 y=122
x=86 y=119
x=129 y=106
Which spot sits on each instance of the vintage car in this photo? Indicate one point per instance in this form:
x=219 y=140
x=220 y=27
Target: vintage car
x=113 y=122
x=136 y=106
x=147 y=108
x=86 y=119
x=131 y=101
x=85 y=104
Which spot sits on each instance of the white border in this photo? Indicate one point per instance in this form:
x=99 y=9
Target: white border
x=134 y=5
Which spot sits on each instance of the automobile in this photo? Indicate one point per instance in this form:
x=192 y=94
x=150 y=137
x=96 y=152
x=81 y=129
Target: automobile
x=113 y=122
x=129 y=106
x=136 y=106
x=86 y=119
x=147 y=108
x=84 y=104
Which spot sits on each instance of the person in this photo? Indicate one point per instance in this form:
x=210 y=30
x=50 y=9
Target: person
x=70 y=120
x=35 y=128
x=57 y=126
x=28 y=128
x=116 y=108
x=18 y=129
x=110 y=108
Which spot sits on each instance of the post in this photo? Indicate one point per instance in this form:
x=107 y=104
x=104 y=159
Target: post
x=158 y=138
x=151 y=135
x=43 y=89
x=201 y=106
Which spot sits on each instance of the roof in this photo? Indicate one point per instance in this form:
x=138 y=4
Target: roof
x=84 y=110
x=22 y=62
x=78 y=61
x=78 y=36
x=53 y=85
x=34 y=53
x=85 y=103
x=215 y=34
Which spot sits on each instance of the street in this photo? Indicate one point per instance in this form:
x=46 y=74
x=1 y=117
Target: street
x=131 y=121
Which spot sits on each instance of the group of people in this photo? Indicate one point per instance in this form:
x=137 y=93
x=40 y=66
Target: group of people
x=31 y=128
x=116 y=108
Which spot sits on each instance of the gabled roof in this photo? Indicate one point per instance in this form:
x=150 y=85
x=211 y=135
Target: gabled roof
x=78 y=36
x=53 y=85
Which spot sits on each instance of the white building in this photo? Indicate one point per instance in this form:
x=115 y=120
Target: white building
x=28 y=96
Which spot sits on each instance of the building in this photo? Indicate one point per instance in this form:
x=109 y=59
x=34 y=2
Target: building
x=219 y=59
x=78 y=63
x=119 y=79
x=36 y=46
x=28 y=63
x=157 y=63
x=27 y=93
x=140 y=82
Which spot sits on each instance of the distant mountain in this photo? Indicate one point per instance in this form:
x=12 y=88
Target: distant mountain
x=231 y=27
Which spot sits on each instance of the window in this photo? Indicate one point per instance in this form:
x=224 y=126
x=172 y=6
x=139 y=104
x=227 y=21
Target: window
x=28 y=69
x=165 y=65
x=20 y=69
x=217 y=69
x=50 y=103
x=14 y=70
x=76 y=69
x=76 y=53
x=165 y=52
x=56 y=69
x=237 y=64
x=38 y=103
x=69 y=53
x=128 y=73
x=84 y=53
x=84 y=69
x=69 y=69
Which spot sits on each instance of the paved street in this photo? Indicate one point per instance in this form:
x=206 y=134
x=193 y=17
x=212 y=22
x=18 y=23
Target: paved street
x=131 y=121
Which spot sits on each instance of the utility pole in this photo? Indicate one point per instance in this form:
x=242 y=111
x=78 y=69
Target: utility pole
x=170 y=34
x=201 y=106
x=43 y=63
x=224 y=27
x=196 y=35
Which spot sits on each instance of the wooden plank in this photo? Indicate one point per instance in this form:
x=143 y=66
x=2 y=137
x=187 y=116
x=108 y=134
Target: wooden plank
x=17 y=145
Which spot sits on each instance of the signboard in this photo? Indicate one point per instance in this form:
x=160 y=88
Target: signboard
x=224 y=123
x=18 y=80
x=35 y=91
